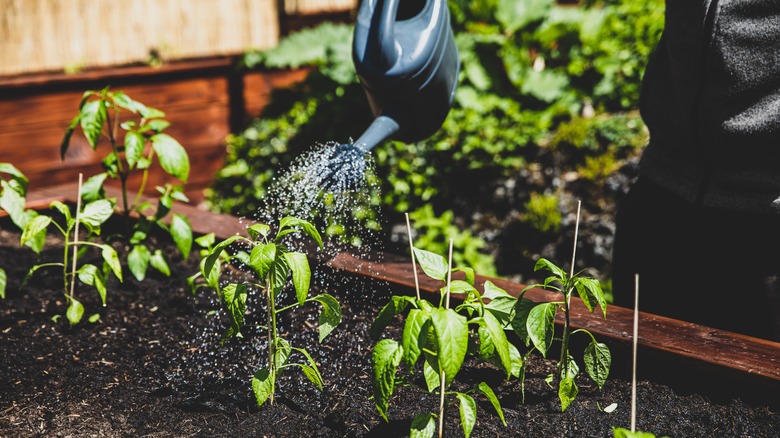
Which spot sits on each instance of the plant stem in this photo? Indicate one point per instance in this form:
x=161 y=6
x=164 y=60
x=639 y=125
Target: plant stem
x=75 y=238
x=271 y=335
x=568 y=290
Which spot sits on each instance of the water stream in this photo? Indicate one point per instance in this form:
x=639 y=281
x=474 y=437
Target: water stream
x=340 y=206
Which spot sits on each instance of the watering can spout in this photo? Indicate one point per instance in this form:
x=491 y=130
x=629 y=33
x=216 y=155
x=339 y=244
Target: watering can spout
x=382 y=128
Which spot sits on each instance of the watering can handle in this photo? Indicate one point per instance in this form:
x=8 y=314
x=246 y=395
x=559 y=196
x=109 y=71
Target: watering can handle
x=383 y=34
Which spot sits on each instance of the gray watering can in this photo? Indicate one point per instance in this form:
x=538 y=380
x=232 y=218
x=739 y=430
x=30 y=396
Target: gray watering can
x=407 y=62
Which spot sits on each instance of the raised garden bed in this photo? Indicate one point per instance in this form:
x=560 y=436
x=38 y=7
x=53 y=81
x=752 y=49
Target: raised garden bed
x=153 y=366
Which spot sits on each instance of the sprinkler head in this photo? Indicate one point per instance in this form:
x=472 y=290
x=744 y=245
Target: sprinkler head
x=345 y=170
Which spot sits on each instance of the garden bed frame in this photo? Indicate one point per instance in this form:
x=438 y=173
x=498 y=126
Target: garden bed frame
x=716 y=362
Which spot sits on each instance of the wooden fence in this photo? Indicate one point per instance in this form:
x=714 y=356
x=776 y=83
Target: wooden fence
x=70 y=35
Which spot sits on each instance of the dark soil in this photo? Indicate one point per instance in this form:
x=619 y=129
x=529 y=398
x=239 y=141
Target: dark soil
x=152 y=366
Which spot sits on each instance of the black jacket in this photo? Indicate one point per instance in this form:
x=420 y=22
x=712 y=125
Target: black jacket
x=711 y=100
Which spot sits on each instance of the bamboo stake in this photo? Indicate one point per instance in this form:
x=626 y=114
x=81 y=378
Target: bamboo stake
x=76 y=238
x=636 y=335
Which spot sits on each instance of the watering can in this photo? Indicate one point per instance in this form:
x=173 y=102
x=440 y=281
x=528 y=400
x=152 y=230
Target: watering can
x=407 y=62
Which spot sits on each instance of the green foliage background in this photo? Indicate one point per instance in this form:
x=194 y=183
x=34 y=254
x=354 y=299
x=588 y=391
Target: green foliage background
x=545 y=109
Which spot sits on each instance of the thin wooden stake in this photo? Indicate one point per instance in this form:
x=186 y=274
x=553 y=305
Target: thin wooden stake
x=633 y=370
x=76 y=238
x=411 y=250
x=576 y=233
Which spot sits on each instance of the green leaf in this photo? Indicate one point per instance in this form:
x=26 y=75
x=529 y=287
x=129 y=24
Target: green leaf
x=311 y=371
x=541 y=326
x=134 y=147
x=94 y=318
x=138 y=261
x=519 y=321
x=13 y=203
x=501 y=304
x=396 y=305
x=159 y=263
x=173 y=158
x=330 y=316
x=262 y=385
x=262 y=258
x=498 y=339
x=158 y=125
x=111 y=258
x=598 y=361
x=491 y=396
x=92 y=189
x=306 y=226
x=312 y=375
x=122 y=100
x=96 y=213
x=35 y=226
x=468 y=412
x=452 y=338
x=550 y=267
x=625 y=433
x=206 y=240
x=282 y=352
x=589 y=290
x=415 y=335
x=65 y=143
x=301 y=274
x=92 y=117
x=16 y=175
x=515 y=15
x=181 y=232
x=460 y=287
x=423 y=426
x=434 y=265
x=211 y=259
x=567 y=392
x=258 y=230
x=385 y=358
x=91 y=275
x=75 y=311
x=517 y=362
x=431 y=373
x=3 y=282
x=234 y=298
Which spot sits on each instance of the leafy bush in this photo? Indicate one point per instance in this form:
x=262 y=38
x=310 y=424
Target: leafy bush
x=540 y=84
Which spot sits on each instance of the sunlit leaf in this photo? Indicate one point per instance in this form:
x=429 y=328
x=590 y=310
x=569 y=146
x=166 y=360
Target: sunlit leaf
x=598 y=361
x=415 y=335
x=173 y=158
x=158 y=262
x=74 y=311
x=385 y=358
x=423 y=426
x=181 y=232
x=468 y=412
x=330 y=316
x=491 y=396
x=138 y=261
x=434 y=265
x=262 y=385
x=301 y=274
x=541 y=326
x=93 y=116
x=452 y=337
